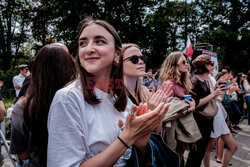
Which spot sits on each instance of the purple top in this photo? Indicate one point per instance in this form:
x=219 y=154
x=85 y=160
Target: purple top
x=178 y=89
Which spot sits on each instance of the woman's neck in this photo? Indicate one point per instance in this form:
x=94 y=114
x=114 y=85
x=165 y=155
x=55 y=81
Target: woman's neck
x=130 y=83
x=102 y=83
x=202 y=77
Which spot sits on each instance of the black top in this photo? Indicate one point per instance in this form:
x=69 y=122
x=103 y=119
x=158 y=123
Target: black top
x=1 y=99
x=132 y=99
x=201 y=90
x=25 y=85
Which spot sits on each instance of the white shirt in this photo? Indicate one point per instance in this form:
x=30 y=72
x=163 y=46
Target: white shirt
x=246 y=87
x=78 y=130
x=18 y=81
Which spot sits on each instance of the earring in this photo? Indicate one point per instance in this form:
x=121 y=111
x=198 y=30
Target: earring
x=116 y=63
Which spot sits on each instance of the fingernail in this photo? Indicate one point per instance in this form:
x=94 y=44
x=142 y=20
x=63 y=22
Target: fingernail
x=122 y=127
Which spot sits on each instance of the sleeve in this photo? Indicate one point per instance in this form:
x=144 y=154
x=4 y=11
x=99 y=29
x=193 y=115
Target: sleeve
x=246 y=86
x=19 y=136
x=1 y=98
x=195 y=91
x=67 y=145
x=14 y=81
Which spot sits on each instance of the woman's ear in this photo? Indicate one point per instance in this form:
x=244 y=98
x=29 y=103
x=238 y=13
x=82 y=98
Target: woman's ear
x=117 y=57
x=116 y=60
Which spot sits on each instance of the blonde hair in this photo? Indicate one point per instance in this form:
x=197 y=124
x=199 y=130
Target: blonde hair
x=169 y=70
x=140 y=92
x=125 y=46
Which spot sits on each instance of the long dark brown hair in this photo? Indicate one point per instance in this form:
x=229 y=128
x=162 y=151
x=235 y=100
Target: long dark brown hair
x=116 y=72
x=52 y=69
x=239 y=82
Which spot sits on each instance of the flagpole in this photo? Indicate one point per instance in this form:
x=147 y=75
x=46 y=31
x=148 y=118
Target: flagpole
x=185 y=30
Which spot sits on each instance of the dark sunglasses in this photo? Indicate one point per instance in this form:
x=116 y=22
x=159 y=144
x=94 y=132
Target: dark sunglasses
x=135 y=59
x=184 y=62
x=210 y=63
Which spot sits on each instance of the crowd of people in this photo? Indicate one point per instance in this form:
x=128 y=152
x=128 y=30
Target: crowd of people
x=103 y=110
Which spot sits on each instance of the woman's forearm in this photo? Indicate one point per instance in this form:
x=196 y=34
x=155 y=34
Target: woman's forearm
x=108 y=157
x=111 y=154
x=205 y=100
x=2 y=111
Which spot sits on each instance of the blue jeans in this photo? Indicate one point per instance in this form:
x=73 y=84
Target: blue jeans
x=248 y=108
x=236 y=113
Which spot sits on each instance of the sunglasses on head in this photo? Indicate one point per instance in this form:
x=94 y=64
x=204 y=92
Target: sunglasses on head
x=135 y=59
x=210 y=63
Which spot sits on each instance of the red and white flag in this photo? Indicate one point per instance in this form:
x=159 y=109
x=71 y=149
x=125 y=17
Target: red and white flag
x=189 y=48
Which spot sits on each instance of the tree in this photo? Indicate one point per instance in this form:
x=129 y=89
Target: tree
x=14 y=20
x=227 y=29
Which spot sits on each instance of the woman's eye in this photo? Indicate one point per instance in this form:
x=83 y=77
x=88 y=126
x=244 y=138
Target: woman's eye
x=100 y=42
x=82 y=43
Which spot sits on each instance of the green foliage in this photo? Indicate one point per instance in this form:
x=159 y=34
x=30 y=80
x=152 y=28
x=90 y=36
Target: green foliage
x=14 y=28
x=159 y=27
x=228 y=31
x=8 y=102
x=7 y=90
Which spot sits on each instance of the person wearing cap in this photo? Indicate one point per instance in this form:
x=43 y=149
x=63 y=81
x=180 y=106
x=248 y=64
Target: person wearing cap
x=202 y=66
x=18 y=80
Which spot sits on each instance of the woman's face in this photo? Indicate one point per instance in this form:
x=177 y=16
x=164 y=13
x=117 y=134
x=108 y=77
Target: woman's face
x=242 y=77
x=183 y=65
x=130 y=69
x=210 y=66
x=96 y=50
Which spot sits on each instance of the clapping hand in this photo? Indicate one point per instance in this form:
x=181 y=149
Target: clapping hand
x=139 y=125
x=160 y=95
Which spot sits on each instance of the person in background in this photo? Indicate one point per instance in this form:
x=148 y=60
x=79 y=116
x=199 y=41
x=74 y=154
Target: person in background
x=133 y=70
x=226 y=69
x=227 y=101
x=202 y=66
x=176 y=71
x=220 y=129
x=236 y=112
x=18 y=80
x=52 y=69
x=25 y=85
x=2 y=114
x=84 y=116
x=158 y=82
x=149 y=81
x=241 y=91
x=2 y=108
x=246 y=85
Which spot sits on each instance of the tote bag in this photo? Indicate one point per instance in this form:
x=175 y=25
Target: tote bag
x=210 y=110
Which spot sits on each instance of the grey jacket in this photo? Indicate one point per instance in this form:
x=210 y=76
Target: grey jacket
x=182 y=128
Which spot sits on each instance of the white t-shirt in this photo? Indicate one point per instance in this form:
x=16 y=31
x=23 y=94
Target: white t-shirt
x=18 y=81
x=78 y=130
x=246 y=87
